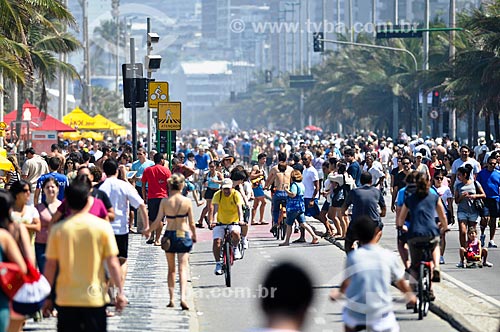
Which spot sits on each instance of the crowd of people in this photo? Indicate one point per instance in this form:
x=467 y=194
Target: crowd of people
x=234 y=175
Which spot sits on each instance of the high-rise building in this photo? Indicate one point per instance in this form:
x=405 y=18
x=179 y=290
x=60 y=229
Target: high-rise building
x=215 y=20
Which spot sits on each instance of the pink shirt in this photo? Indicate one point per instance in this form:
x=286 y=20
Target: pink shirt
x=98 y=209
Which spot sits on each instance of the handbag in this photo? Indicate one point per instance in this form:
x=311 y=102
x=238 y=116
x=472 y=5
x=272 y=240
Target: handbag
x=29 y=297
x=11 y=278
x=165 y=243
x=33 y=292
x=478 y=203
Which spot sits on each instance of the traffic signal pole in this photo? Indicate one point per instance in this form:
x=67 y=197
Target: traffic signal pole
x=133 y=106
x=395 y=49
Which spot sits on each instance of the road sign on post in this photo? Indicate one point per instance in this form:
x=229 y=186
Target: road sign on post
x=169 y=116
x=131 y=73
x=397 y=31
x=302 y=81
x=157 y=93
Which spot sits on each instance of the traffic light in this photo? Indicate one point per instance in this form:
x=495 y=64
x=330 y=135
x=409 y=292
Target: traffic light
x=318 y=42
x=436 y=98
x=269 y=76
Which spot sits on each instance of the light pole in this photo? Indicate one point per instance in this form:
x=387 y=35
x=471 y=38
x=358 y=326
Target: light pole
x=453 y=114
x=115 y=5
x=395 y=49
x=87 y=88
x=425 y=67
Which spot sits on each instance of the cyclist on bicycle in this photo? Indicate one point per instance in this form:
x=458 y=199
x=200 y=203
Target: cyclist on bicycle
x=423 y=228
x=279 y=176
x=227 y=204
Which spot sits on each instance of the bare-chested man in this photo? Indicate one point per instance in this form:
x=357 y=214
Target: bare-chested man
x=56 y=152
x=279 y=177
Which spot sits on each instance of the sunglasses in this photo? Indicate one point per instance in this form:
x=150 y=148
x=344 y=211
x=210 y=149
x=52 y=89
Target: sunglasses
x=26 y=190
x=438 y=178
x=492 y=164
x=406 y=163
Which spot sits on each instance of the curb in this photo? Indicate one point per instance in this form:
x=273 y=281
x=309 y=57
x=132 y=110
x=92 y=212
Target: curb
x=457 y=291
x=443 y=312
x=450 y=293
x=194 y=324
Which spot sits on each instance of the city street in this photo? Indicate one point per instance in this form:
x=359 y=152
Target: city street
x=237 y=309
x=215 y=307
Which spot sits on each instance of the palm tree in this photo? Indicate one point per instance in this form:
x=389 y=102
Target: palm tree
x=31 y=32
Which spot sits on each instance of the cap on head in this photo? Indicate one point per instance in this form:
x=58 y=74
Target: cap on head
x=227 y=184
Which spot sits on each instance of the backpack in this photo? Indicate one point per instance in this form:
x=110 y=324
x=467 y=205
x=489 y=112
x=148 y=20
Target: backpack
x=341 y=192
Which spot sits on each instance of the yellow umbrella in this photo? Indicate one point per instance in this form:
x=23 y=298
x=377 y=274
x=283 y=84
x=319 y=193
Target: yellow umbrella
x=73 y=136
x=78 y=119
x=92 y=134
x=5 y=164
x=104 y=123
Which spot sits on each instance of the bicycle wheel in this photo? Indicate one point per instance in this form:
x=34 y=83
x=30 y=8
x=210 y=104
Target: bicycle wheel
x=277 y=231
x=423 y=291
x=427 y=289
x=283 y=228
x=242 y=249
x=227 y=263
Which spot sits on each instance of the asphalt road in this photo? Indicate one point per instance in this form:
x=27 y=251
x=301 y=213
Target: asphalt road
x=237 y=308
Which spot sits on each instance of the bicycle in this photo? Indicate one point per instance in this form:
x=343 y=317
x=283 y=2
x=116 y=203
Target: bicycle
x=227 y=252
x=424 y=279
x=280 y=228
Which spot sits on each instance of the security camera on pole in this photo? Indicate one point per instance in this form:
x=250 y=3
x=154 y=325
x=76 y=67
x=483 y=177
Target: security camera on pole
x=152 y=63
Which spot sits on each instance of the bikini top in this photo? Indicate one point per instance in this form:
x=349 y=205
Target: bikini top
x=177 y=216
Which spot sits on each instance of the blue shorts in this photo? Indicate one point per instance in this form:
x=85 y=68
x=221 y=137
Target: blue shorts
x=291 y=216
x=467 y=216
x=180 y=241
x=311 y=211
x=258 y=191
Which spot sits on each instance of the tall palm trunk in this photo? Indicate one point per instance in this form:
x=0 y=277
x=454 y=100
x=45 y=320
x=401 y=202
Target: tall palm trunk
x=487 y=127
x=469 y=126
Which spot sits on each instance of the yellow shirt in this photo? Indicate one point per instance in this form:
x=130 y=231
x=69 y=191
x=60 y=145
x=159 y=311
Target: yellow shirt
x=80 y=244
x=227 y=212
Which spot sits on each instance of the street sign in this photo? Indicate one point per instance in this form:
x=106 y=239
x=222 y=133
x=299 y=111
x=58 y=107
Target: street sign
x=157 y=93
x=132 y=71
x=302 y=81
x=397 y=31
x=134 y=85
x=169 y=116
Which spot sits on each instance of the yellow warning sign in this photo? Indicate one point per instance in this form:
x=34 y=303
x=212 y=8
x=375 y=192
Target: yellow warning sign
x=169 y=116
x=157 y=93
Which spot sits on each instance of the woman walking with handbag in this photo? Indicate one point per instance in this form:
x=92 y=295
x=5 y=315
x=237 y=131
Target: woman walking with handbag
x=179 y=236
x=468 y=194
x=9 y=251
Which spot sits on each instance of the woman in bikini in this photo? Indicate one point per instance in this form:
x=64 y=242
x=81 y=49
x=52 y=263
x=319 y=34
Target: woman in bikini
x=180 y=234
